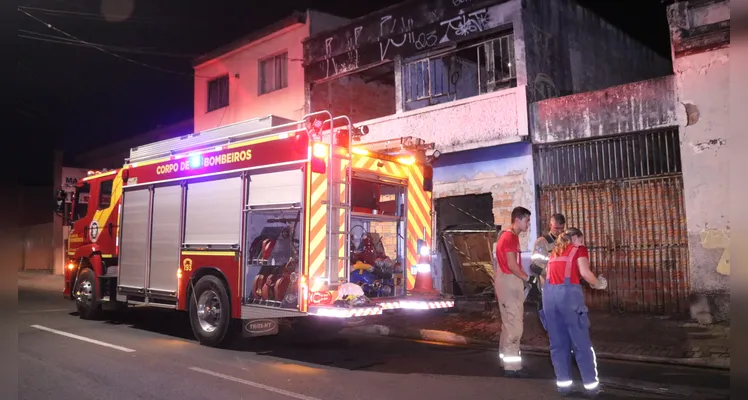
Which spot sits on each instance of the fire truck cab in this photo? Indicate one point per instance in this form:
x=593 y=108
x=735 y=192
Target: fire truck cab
x=293 y=222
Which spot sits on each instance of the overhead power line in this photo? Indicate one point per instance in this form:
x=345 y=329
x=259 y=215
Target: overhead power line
x=31 y=35
x=104 y=50
x=94 y=16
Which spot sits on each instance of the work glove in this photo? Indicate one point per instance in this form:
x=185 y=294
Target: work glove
x=603 y=283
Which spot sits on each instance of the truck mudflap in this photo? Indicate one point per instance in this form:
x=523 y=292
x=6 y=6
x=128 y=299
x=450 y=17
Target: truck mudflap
x=378 y=306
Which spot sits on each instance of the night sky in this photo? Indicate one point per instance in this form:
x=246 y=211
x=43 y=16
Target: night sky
x=74 y=96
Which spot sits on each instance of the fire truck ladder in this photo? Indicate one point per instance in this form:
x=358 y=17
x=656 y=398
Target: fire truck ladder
x=339 y=208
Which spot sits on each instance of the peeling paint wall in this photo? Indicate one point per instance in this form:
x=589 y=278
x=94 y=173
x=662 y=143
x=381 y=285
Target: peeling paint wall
x=702 y=71
x=480 y=121
x=504 y=171
x=617 y=110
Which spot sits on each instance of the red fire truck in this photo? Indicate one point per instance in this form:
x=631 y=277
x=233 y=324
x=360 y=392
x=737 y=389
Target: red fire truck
x=244 y=227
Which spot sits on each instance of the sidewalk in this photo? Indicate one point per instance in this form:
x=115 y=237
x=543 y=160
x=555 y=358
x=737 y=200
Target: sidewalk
x=622 y=337
x=40 y=280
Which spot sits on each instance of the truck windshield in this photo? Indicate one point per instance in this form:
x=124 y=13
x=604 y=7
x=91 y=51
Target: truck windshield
x=80 y=201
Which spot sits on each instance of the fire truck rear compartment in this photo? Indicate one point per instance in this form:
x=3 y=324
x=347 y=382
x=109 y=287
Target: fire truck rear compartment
x=377 y=256
x=272 y=249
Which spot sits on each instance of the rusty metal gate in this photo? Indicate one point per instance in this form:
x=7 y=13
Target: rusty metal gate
x=626 y=194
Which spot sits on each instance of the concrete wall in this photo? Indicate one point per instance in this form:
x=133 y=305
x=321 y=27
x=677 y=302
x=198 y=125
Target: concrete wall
x=37 y=243
x=620 y=109
x=702 y=74
x=350 y=95
x=504 y=171
x=571 y=50
x=242 y=65
x=481 y=121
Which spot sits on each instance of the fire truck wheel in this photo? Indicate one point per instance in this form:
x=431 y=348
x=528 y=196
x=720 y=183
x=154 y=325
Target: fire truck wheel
x=86 y=295
x=210 y=312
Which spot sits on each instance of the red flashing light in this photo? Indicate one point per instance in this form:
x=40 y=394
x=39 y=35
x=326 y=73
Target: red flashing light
x=319 y=153
x=319 y=150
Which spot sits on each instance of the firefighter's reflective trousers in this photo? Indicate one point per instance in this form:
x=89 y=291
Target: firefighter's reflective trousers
x=565 y=317
x=510 y=294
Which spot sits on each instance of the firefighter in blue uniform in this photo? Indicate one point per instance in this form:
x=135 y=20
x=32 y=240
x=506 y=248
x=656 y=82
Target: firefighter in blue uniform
x=564 y=313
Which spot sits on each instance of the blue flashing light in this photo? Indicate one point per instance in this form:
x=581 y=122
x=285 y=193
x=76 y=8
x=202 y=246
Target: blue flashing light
x=195 y=161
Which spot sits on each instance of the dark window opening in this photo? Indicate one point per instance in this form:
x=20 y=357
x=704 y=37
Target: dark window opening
x=637 y=155
x=218 y=93
x=80 y=199
x=105 y=194
x=361 y=96
x=472 y=70
x=466 y=237
x=376 y=198
x=273 y=73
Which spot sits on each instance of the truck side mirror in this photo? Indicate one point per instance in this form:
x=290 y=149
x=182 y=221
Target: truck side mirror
x=60 y=201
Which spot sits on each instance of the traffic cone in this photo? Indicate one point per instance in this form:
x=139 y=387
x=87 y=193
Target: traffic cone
x=424 y=282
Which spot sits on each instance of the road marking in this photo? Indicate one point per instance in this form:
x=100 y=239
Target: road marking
x=44 y=311
x=83 y=338
x=254 y=384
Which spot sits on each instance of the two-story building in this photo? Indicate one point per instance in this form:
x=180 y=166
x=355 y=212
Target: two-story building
x=257 y=75
x=462 y=74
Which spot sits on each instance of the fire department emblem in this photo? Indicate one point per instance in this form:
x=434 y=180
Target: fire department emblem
x=93 y=231
x=187 y=264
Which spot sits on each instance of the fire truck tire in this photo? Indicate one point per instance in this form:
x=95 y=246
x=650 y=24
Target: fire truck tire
x=86 y=294
x=210 y=313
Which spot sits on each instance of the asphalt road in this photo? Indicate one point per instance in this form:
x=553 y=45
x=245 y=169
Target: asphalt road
x=150 y=354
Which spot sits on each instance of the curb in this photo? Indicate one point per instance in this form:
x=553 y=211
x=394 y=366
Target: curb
x=453 y=338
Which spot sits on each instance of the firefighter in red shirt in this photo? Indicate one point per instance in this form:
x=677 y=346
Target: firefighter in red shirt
x=509 y=285
x=564 y=313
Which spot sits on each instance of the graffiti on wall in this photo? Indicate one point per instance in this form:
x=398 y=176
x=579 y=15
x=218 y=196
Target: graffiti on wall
x=403 y=31
x=542 y=87
x=718 y=239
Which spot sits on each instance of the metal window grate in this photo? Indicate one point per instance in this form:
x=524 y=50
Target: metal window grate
x=639 y=155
